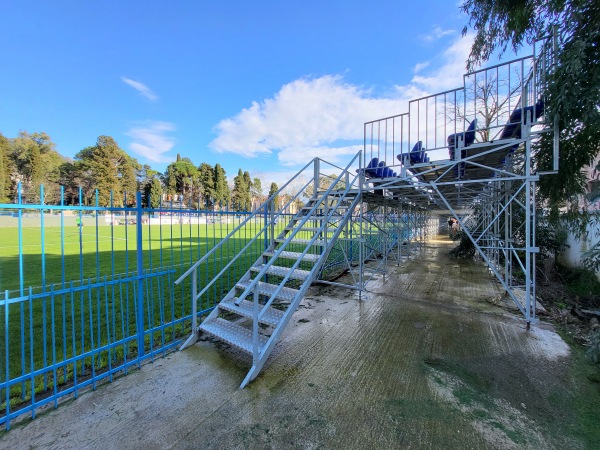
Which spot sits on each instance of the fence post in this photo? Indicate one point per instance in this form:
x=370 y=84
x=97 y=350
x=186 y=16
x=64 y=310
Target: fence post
x=140 y=273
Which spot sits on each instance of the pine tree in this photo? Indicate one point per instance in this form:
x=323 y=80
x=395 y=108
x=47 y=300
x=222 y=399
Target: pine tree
x=247 y=200
x=182 y=177
x=153 y=193
x=237 y=194
x=221 y=193
x=206 y=183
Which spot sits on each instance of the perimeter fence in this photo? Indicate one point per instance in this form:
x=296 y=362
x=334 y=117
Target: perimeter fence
x=88 y=292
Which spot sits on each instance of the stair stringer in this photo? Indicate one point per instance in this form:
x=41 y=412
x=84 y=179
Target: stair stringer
x=265 y=352
x=261 y=259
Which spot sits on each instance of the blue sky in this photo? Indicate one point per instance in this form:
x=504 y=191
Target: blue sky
x=263 y=85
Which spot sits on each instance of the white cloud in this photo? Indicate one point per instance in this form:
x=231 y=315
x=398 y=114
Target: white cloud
x=305 y=114
x=140 y=87
x=437 y=33
x=293 y=156
x=151 y=141
x=449 y=74
x=324 y=116
x=420 y=66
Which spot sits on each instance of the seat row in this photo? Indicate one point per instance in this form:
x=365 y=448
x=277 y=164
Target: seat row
x=512 y=130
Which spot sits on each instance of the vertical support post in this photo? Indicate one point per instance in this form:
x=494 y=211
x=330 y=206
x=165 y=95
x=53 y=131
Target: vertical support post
x=42 y=239
x=528 y=220
x=79 y=233
x=399 y=234
x=20 y=228
x=194 y=301
x=140 y=275
x=507 y=233
x=272 y=223
x=317 y=170
x=255 y=327
x=533 y=242
x=266 y=228
x=361 y=266
x=7 y=358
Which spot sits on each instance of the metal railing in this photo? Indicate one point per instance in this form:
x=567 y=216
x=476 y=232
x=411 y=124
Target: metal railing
x=88 y=293
x=273 y=226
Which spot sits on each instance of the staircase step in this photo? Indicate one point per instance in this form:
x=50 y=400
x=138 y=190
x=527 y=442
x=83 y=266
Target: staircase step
x=279 y=271
x=267 y=289
x=310 y=257
x=233 y=334
x=302 y=241
x=246 y=308
x=315 y=229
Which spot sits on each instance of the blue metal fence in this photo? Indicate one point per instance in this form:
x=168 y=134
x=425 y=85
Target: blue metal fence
x=88 y=293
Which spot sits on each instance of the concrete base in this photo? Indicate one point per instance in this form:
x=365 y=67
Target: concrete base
x=424 y=360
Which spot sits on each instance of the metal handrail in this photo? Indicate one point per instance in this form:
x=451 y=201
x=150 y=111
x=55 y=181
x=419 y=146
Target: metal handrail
x=293 y=234
x=299 y=259
x=243 y=223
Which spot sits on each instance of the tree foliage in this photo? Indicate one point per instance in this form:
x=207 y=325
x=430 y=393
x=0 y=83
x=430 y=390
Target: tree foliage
x=256 y=188
x=182 y=177
x=206 y=180
x=272 y=190
x=573 y=92
x=5 y=170
x=107 y=168
x=153 y=193
x=221 y=189
x=240 y=196
x=33 y=161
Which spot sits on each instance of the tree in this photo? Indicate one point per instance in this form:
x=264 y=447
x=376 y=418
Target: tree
x=72 y=177
x=107 y=168
x=153 y=193
x=182 y=177
x=487 y=99
x=272 y=190
x=240 y=196
x=206 y=181
x=36 y=161
x=145 y=175
x=256 y=193
x=572 y=95
x=5 y=170
x=221 y=192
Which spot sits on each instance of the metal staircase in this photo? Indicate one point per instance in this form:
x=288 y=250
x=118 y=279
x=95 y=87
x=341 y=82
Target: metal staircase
x=253 y=314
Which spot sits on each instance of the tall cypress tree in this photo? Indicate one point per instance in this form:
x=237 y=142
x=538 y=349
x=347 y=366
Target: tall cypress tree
x=221 y=194
x=274 y=188
x=5 y=182
x=247 y=196
x=237 y=193
x=207 y=183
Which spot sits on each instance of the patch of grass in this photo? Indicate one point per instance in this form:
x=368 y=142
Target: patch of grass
x=45 y=332
x=481 y=414
x=513 y=435
x=466 y=396
x=586 y=396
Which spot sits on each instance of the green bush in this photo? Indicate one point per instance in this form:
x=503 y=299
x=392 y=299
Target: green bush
x=582 y=282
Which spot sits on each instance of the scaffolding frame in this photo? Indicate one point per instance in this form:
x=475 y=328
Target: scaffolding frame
x=488 y=129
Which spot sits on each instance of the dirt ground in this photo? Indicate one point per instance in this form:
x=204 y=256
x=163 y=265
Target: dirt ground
x=429 y=357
